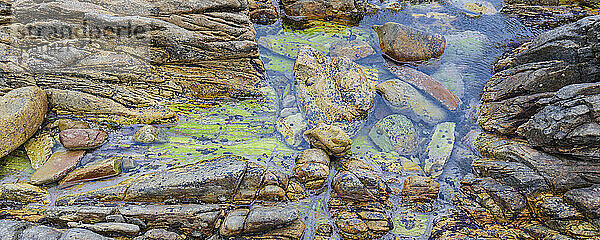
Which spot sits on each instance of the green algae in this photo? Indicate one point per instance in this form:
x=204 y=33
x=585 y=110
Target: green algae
x=15 y=162
x=410 y=224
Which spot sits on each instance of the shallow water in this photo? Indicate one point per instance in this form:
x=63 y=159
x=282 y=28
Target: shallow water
x=474 y=43
x=210 y=129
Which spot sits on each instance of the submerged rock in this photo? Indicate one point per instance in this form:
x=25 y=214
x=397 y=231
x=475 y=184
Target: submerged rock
x=65 y=123
x=395 y=133
x=317 y=9
x=427 y=84
x=333 y=91
x=22 y=112
x=57 y=167
x=39 y=149
x=353 y=50
x=439 y=149
x=81 y=139
x=332 y=139
x=403 y=98
x=404 y=44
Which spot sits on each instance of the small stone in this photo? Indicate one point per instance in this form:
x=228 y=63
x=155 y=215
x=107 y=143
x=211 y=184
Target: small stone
x=65 y=123
x=59 y=164
x=39 y=149
x=291 y=129
x=22 y=112
x=119 y=229
x=312 y=168
x=102 y=169
x=313 y=155
x=22 y=192
x=146 y=134
x=261 y=219
x=332 y=139
x=403 y=43
x=420 y=189
x=80 y=139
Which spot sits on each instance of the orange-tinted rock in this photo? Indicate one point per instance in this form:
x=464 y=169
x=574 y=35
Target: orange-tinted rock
x=420 y=189
x=59 y=164
x=102 y=169
x=77 y=139
x=403 y=43
x=425 y=83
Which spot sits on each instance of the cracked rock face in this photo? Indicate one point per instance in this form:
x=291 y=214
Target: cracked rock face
x=547 y=92
x=135 y=53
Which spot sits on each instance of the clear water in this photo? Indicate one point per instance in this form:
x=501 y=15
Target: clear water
x=209 y=129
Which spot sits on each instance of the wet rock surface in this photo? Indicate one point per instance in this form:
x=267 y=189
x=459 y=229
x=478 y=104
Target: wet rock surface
x=546 y=93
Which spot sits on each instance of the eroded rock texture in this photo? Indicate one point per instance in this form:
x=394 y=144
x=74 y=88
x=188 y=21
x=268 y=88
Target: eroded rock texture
x=135 y=53
x=523 y=193
x=226 y=179
x=548 y=92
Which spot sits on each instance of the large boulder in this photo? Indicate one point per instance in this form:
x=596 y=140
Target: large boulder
x=334 y=91
x=22 y=112
x=548 y=93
